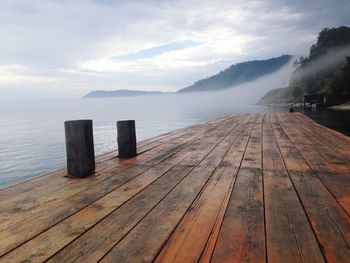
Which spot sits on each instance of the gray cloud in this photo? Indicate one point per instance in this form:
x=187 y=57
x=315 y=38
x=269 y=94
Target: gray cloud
x=67 y=47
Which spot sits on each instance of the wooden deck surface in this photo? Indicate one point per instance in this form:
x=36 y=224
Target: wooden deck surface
x=243 y=188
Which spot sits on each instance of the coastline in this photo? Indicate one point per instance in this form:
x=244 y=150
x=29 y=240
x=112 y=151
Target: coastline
x=342 y=107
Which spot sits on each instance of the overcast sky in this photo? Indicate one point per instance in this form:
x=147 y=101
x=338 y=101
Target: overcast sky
x=70 y=47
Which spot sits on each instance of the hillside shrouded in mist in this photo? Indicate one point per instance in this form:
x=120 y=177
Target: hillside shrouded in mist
x=238 y=74
x=325 y=70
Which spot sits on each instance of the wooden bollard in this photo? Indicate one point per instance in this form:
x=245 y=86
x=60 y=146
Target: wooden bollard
x=80 y=148
x=126 y=139
x=291 y=109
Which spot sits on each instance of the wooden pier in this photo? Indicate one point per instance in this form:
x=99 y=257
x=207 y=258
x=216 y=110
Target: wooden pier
x=243 y=188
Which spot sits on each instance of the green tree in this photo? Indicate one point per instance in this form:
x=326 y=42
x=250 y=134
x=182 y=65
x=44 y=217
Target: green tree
x=297 y=92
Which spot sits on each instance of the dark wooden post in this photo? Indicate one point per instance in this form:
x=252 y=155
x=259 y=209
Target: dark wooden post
x=80 y=148
x=291 y=108
x=126 y=139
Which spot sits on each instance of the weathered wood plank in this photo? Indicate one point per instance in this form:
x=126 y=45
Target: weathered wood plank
x=96 y=242
x=330 y=222
x=48 y=193
x=242 y=234
x=41 y=185
x=289 y=235
x=27 y=185
x=331 y=134
x=55 y=238
x=164 y=232
x=17 y=230
x=328 y=135
x=208 y=147
x=196 y=150
x=41 y=193
x=180 y=209
x=327 y=148
x=59 y=207
x=232 y=154
x=146 y=239
x=169 y=203
x=190 y=237
x=337 y=182
x=240 y=133
x=207 y=253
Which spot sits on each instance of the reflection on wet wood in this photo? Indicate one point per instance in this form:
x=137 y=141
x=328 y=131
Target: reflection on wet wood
x=242 y=188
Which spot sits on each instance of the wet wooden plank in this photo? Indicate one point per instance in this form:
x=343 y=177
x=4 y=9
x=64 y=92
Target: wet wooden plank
x=331 y=134
x=16 y=230
x=41 y=185
x=56 y=177
x=208 y=251
x=53 y=179
x=337 y=182
x=194 y=195
x=242 y=234
x=231 y=155
x=196 y=155
x=289 y=235
x=40 y=194
x=189 y=239
x=60 y=208
x=55 y=238
x=95 y=243
x=328 y=148
x=180 y=209
x=329 y=221
x=147 y=238
x=207 y=146
x=239 y=133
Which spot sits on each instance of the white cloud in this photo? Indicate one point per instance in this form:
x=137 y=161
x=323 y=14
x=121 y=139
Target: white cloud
x=69 y=46
x=18 y=74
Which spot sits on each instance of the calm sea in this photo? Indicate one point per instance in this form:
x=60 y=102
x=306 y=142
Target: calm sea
x=32 y=134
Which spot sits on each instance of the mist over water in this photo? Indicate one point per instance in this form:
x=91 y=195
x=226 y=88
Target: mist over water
x=32 y=133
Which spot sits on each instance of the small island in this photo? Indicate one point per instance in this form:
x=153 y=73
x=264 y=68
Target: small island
x=120 y=93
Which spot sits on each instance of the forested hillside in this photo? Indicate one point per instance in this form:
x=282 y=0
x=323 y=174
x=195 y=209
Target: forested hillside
x=325 y=70
x=239 y=73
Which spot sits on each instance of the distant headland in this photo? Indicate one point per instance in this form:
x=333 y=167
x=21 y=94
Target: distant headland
x=232 y=76
x=120 y=93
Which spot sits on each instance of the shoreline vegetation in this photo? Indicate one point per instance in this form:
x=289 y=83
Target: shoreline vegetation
x=326 y=70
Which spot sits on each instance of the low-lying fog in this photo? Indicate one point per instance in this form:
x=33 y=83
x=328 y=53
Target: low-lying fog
x=32 y=134
x=244 y=94
x=330 y=61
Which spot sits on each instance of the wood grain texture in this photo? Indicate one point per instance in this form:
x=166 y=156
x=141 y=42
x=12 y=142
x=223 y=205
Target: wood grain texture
x=96 y=242
x=329 y=221
x=289 y=235
x=335 y=180
x=189 y=239
x=66 y=231
x=242 y=234
x=141 y=243
x=241 y=188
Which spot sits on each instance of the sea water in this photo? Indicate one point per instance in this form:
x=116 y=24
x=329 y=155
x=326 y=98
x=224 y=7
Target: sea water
x=32 y=138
